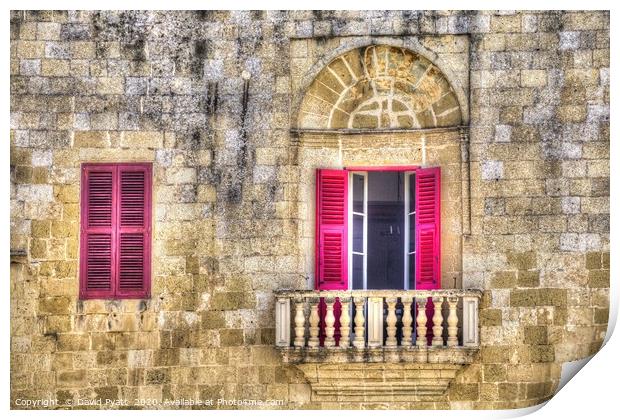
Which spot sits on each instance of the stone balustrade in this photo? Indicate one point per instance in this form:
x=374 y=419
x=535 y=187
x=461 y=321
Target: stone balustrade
x=374 y=319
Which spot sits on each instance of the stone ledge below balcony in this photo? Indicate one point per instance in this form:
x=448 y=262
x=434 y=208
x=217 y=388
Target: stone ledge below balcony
x=379 y=374
x=451 y=355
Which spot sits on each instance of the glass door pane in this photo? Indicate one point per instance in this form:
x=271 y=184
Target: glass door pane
x=385 y=267
x=358 y=229
x=409 y=253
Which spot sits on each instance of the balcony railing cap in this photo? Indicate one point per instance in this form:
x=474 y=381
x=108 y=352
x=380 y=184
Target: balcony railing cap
x=298 y=294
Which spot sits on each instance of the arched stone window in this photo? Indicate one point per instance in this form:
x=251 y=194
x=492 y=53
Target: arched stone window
x=384 y=106
x=380 y=141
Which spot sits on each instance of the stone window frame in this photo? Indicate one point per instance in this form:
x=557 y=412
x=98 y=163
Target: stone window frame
x=304 y=138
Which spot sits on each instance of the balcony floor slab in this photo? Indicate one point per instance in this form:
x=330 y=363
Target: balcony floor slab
x=379 y=374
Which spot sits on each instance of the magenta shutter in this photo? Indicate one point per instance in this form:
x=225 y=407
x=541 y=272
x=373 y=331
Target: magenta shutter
x=134 y=228
x=97 y=231
x=331 y=238
x=115 y=240
x=331 y=229
x=428 y=273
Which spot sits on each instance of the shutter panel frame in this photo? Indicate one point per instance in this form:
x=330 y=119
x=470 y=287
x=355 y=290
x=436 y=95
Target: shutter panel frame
x=92 y=235
x=428 y=228
x=131 y=226
x=331 y=250
x=116 y=230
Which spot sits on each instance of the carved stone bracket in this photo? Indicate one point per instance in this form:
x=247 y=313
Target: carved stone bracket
x=353 y=375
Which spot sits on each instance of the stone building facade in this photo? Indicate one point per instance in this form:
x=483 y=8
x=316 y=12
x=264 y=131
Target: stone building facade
x=221 y=103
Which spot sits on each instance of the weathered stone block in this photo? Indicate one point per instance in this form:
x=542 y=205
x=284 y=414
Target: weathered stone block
x=495 y=354
x=542 y=353
x=598 y=278
x=30 y=49
x=231 y=337
x=232 y=300
x=593 y=260
x=91 y=139
x=30 y=67
x=492 y=170
x=48 y=31
x=538 y=297
x=299 y=393
x=535 y=335
x=503 y=133
x=110 y=85
x=522 y=260
x=83 y=50
x=500 y=23
x=213 y=319
x=464 y=392
x=533 y=78
x=67 y=193
x=529 y=278
x=571 y=113
x=105 y=121
x=601 y=315
x=490 y=317
x=54 y=68
x=55 y=305
x=504 y=280
x=72 y=342
x=157 y=376
x=142 y=139
x=71 y=378
x=494 y=373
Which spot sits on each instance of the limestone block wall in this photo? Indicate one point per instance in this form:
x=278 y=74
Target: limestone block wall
x=167 y=88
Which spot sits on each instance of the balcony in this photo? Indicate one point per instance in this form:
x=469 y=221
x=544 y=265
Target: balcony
x=365 y=344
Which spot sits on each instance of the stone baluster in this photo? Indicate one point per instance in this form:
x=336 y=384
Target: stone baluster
x=470 y=321
x=407 y=321
x=313 y=341
x=390 y=320
x=452 y=322
x=437 y=322
x=283 y=322
x=421 y=321
x=300 y=323
x=374 y=322
x=359 y=341
x=345 y=323
x=330 y=320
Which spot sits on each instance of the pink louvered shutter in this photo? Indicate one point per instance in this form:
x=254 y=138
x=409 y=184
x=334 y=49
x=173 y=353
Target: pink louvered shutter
x=134 y=231
x=115 y=240
x=331 y=231
x=98 y=234
x=428 y=273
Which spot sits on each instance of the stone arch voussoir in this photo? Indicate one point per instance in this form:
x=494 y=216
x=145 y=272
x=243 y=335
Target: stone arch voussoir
x=380 y=87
